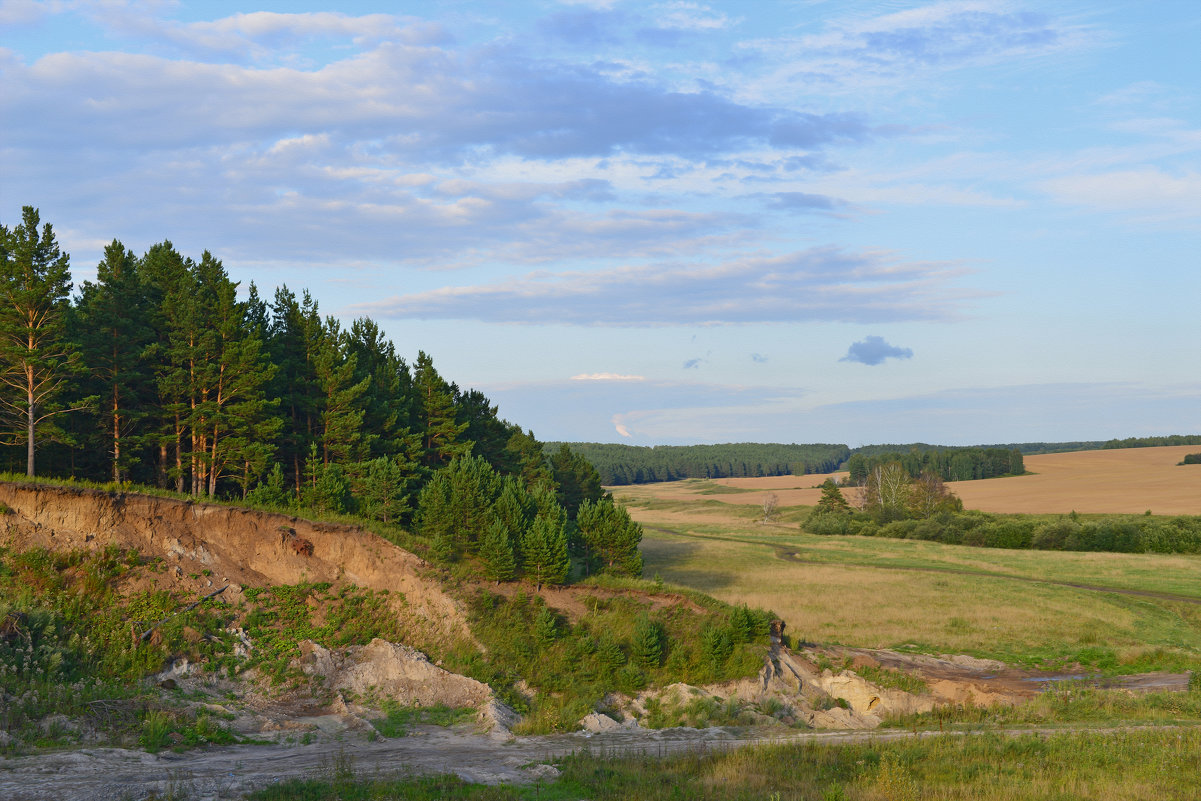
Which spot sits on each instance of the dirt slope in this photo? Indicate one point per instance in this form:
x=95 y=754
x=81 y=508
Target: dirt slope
x=240 y=547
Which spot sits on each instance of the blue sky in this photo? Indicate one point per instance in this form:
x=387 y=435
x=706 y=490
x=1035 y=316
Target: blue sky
x=675 y=222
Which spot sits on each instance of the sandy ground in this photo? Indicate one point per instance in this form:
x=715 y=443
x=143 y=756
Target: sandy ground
x=217 y=774
x=1125 y=481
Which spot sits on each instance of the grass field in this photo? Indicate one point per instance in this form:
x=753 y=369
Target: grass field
x=884 y=593
x=1136 y=765
x=1123 y=481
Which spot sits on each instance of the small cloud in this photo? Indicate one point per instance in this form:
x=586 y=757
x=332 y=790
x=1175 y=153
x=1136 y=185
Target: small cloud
x=621 y=429
x=874 y=350
x=758 y=358
x=606 y=377
x=693 y=364
x=800 y=201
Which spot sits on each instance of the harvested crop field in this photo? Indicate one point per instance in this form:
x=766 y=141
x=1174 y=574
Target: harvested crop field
x=1124 y=481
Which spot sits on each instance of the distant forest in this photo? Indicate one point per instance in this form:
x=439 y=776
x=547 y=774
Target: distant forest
x=632 y=464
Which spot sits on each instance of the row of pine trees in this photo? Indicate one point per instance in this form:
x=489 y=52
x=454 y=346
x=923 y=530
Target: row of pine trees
x=158 y=374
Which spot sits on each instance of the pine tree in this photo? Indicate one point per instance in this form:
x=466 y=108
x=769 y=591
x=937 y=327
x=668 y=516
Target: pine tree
x=648 y=645
x=577 y=479
x=292 y=341
x=544 y=550
x=831 y=500
x=441 y=433
x=342 y=437
x=114 y=337
x=382 y=488
x=385 y=405
x=36 y=358
x=455 y=507
x=496 y=550
x=161 y=270
x=611 y=538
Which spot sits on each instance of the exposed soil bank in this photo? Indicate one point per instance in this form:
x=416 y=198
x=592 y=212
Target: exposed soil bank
x=207 y=545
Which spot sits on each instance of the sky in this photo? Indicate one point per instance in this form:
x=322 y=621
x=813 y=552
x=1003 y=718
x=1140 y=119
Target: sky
x=666 y=222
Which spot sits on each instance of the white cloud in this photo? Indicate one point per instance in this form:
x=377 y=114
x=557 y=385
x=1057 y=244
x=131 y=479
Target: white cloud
x=817 y=284
x=689 y=17
x=1148 y=193
x=606 y=377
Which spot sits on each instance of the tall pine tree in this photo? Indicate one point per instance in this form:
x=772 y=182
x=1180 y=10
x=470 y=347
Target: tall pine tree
x=36 y=358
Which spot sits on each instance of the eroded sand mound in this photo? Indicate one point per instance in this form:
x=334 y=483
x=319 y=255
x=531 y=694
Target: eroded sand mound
x=206 y=545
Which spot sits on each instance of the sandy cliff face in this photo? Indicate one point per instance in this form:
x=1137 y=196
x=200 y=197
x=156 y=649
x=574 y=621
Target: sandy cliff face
x=236 y=546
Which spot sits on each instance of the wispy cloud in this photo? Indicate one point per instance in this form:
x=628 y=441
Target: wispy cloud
x=817 y=284
x=890 y=49
x=415 y=101
x=607 y=377
x=874 y=350
x=1146 y=195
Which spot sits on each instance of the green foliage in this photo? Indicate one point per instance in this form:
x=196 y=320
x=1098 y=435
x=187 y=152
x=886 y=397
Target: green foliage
x=982 y=767
x=399 y=720
x=1191 y=458
x=36 y=356
x=949 y=464
x=648 y=644
x=384 y=486
x=576 y=478
x=1113 y=533
x=496 y=551
x=544 y=551
x=620 y=644
x=456 y=506
x=326 y=486
x=832 y=500
x=272 y=493
x=610 y=537
x=630 y=464
x=283 y=615
x=77 y=649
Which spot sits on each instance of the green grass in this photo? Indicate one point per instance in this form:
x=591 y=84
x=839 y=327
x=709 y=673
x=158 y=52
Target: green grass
x=283 y=615
x=621 y=643
x=883 y=593
x=1136 y=765
x=77 y=650
x=1067 y=703
x=400 y=720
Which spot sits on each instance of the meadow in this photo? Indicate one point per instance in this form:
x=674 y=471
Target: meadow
x=1128 y=612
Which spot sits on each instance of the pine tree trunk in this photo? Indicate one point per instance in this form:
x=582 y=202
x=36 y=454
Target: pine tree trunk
x=116 y=440
x=29 y=441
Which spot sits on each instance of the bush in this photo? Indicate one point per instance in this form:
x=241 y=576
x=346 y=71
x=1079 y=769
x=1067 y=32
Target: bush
x=1114 y=533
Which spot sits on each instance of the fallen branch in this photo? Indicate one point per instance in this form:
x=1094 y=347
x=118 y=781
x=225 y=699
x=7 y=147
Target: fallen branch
x=146 y=634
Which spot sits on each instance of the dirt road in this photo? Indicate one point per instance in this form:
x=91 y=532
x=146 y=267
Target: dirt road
x=221 y=773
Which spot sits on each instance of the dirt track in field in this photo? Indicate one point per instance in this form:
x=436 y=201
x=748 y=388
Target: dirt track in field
x=222 y=773
x=1124 y=481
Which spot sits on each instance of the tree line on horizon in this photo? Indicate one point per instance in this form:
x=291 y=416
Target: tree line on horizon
x=157 y=374
x=620 y=464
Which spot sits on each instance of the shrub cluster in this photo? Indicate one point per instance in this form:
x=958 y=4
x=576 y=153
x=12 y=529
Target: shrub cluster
x=1114 y=533
x=621 y=644
x=71 y=645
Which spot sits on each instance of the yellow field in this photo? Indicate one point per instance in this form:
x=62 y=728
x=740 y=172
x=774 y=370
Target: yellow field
x=1125 y=481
